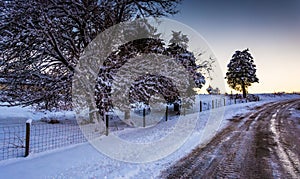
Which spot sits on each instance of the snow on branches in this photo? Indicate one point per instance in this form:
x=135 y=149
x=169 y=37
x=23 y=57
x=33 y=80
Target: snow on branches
x=41 y=42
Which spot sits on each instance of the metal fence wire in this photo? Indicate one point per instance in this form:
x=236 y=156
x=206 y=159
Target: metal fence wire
x=12 y=141
x=43 y=136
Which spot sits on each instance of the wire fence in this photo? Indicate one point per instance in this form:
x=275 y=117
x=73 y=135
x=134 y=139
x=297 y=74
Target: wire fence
x=220 y=102
x=43 y=136
x=12 y=141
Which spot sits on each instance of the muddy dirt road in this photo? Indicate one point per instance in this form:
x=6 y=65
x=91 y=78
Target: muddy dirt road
x=261 y=144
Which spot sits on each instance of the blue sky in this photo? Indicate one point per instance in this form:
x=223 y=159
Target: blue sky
x=269 y=28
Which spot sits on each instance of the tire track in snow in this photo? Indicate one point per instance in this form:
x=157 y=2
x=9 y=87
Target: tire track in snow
x=244 y=149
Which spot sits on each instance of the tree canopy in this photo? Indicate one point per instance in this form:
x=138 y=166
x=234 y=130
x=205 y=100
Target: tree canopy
x=41 y=42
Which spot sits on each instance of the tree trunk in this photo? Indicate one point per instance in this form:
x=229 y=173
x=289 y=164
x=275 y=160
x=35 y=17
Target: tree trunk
x=94 y=115
x=244 y=91
x=91 y=114
x=127 y=114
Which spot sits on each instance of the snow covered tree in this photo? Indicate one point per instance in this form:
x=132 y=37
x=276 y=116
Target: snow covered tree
x=146 y=86
x=177 y=48
x=241 y=71
x=41 y=42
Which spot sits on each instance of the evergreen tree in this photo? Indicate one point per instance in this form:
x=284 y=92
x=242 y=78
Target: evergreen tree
x=241 y=71
x=177 y=48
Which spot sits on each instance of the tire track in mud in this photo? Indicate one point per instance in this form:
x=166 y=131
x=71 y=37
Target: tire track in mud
x=244 y=149
x=283 y=133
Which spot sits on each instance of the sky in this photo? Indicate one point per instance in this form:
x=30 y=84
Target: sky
x=269 y=28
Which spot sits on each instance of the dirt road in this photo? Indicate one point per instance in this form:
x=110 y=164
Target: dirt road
x=262 y=144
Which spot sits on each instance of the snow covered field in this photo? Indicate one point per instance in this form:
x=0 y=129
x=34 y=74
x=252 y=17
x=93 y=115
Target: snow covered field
x=84 y=161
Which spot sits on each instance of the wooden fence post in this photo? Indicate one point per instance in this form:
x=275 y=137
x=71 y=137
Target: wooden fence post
x=167 y=113
x=212 y=104
x=224 y=102
x=200 y=106
x=106 y=124
x=27 y=140
x=144 y=117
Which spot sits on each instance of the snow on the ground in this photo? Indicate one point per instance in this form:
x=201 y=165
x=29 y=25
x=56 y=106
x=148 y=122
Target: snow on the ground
x=295 y=115
x=17 y=114
x=84 y=161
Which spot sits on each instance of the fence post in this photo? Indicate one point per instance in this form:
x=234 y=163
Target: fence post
x=212 y=104
x=27 y=140
x=167 y=113
x=200 y=106
x=224 y=102
x=234 y=100
x=144 y=117
x=106 y=124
